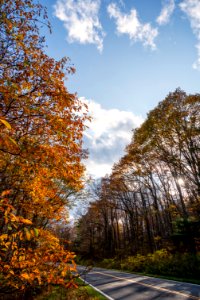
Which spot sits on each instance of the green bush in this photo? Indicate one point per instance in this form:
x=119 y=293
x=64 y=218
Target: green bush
x=160 y=262
x=110 y=263
x=134 y=263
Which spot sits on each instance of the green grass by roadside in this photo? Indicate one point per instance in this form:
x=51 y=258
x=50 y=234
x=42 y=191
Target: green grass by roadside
x=83 y=292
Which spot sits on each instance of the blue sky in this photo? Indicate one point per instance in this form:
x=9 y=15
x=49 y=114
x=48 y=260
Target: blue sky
x=128 y=56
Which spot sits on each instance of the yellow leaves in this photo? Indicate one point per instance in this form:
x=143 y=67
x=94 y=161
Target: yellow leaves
x=63 y=273
x=5 y=123
x=20 y=36
x=73 y=268
x=36 y=232
x=6 y=267
x=13 y=218
x=4 y=137
x=25 y=276
x=6 y=220
x=13 y=141
x=5 y=193
x=25 y=221
x=9 y=227
x=21 y=258
x=31 y=73
x=3 y=237
x=19 y=219
x=27 y=234
x=9 y=24
x=41 y=264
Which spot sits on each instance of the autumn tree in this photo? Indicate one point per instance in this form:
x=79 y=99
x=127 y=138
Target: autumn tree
x=155 y=185
x=40 y=150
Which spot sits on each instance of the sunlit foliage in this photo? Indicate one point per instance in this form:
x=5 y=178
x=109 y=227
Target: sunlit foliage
x=151 y=200
x=41 y=131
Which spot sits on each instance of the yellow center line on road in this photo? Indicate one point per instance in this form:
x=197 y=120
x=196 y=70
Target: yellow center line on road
x=151 y=286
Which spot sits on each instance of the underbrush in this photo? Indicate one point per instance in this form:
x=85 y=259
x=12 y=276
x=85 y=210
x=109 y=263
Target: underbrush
x=83 y=292
x=160 y=262
x=55 y=292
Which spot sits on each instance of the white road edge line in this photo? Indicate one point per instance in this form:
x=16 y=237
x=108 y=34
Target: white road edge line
x=152 y=286
x=99 y=291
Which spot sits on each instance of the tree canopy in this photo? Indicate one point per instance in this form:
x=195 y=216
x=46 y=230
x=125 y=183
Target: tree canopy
x=41 y=128
x=151 y=200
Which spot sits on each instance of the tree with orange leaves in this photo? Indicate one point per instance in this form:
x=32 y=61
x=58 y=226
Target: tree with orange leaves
x=41 y=127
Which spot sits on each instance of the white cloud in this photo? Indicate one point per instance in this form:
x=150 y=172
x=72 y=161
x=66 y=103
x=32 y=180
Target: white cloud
x=110 y=131
x=192 y=9
x=80 y=18
x=166 y=12
x=131 y=25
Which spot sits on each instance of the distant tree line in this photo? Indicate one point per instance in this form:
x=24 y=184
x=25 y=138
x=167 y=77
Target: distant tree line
x=151 y=200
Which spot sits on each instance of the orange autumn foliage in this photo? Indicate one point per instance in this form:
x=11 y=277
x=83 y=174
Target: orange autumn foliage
x=41 y=128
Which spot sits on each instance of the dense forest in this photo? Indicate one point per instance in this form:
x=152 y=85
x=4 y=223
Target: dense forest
x=150 y=204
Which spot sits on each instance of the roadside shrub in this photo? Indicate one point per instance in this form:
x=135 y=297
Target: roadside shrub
x=134 y=263
x=160 y=262
x=109 y=263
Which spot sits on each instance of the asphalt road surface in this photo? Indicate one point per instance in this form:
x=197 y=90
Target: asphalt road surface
x=118 y=285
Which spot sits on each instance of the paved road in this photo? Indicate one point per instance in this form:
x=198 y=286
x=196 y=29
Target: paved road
x=125 y=286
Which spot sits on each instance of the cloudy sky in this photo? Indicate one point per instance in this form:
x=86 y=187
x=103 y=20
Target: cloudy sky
x=128 y=55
